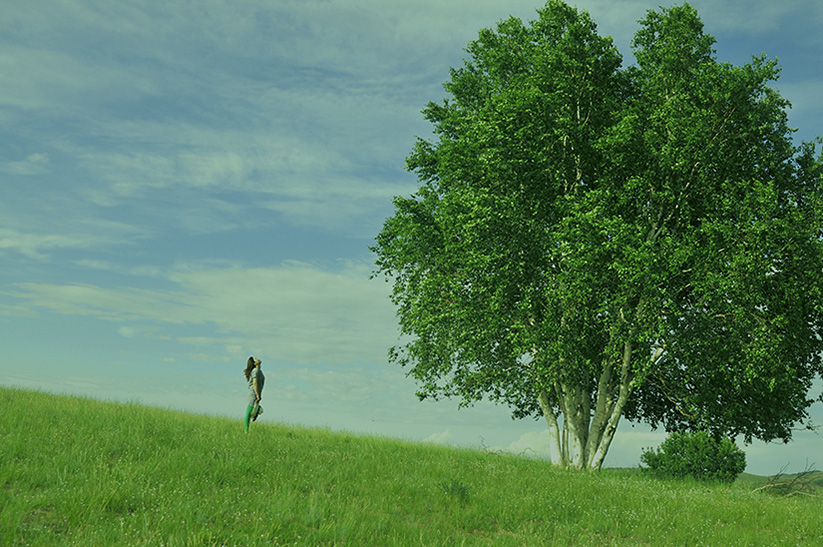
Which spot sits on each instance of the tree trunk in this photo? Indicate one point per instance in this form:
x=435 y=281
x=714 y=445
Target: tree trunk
x=573 y=450
x=554 y=429
x=591 y=433
x=576 y=416
x=608 y=434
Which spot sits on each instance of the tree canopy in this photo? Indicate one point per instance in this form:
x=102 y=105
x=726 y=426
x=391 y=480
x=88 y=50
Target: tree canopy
x=591 y=242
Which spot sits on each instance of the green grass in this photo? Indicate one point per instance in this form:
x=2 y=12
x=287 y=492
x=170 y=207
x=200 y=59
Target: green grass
x=75 y=471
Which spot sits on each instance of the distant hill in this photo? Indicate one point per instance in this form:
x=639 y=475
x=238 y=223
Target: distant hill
x=76 y=471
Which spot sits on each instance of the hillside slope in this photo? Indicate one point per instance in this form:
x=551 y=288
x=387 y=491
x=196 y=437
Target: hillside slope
x=75 y=471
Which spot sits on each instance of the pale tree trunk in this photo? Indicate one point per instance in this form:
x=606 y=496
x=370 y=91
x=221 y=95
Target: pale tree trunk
x=569 y=439
x=614 y=408
x=554 y=429
x=589 y=420
x=576 y=414
x=608 y=434
x=582 y=440
x=591 y=431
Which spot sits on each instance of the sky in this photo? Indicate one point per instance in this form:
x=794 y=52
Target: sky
x=185 y=184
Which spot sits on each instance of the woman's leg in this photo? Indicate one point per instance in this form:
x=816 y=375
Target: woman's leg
x=248 y=417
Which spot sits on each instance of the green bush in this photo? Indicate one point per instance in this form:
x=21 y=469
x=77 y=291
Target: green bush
x=698 y=455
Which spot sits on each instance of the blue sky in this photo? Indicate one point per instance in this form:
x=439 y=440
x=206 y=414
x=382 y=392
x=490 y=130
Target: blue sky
x=188 y=183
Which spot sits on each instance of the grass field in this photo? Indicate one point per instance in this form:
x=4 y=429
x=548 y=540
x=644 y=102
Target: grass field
x=75 y=471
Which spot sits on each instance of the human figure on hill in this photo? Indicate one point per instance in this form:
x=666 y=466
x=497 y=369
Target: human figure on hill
x=255 y=378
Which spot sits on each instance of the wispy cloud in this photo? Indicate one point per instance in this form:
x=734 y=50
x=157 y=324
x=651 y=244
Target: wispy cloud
x=33 y=245
x=36 y=244
x=34 y=164
x=298 y=312
x=190 y=121
x=199 y=120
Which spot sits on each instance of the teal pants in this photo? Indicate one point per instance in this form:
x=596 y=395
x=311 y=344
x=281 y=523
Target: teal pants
x=248 y=417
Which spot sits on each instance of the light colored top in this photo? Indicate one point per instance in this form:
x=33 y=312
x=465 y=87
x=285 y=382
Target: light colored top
x=258 y=374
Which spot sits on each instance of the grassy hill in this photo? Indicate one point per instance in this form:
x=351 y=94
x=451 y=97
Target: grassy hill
x=75 y=471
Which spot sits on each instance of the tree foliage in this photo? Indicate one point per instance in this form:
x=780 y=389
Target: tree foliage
x=591 y=241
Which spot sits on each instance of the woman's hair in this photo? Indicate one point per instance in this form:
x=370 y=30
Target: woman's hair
x=249 y=367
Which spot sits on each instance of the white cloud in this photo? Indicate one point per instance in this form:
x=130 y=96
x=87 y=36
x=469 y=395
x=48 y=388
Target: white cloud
x=128 y=332
x=533 y=443
x=202 y=179
x=106 y=266
x=32 y=245
x=93 y=300
x=200 y=113
x=56 y=82
x=439 y=438
x=143 y=331
x=304 y=314
x=36 y=245
x=293 y=106
x=33 y=164
x=297 y=312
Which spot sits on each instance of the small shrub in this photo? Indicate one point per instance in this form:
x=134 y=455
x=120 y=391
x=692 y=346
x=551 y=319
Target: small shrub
x=698 y=455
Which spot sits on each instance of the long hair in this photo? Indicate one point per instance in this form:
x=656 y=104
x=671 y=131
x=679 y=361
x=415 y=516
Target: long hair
x=249 y=367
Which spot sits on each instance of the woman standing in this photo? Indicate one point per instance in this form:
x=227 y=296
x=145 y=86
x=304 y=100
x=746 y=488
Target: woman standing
x=255 y=378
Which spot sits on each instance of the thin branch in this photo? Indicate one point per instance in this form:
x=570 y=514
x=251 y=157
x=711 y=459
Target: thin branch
x=677 y=404
x=801 y=484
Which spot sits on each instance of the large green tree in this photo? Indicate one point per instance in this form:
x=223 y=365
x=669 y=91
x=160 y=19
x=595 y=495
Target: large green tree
x=591 y=242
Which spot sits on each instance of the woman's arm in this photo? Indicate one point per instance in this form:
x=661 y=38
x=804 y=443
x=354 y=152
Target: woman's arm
x=256 y=391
